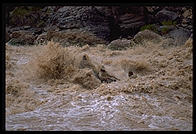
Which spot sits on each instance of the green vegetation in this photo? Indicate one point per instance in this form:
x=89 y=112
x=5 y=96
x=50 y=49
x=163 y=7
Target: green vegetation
x=168 y=23
x=166 y=27
x=165 y=30
x=151 y=27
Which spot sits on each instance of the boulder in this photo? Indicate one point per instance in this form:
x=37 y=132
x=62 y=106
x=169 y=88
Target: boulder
x=147 y=35
x=165 y=15
x=180 y=35
x=119 y=44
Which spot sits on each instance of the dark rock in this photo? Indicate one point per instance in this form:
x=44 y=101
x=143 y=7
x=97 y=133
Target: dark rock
x=105 y=22
x=153 y=9
x=165 y=15
x=180 y=36
x=134 y=25
x=26 y=27
x=176 y=9
x=51 y=28
x=71 y=17
x=24 y=15
x=12 y=29
x=70 y=37
x=36 y=30
x=131 y=19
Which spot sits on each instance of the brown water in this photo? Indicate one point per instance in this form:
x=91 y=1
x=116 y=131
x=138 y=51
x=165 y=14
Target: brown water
x=41 y=96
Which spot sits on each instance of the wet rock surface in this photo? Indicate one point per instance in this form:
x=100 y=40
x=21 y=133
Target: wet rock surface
x=180 y=36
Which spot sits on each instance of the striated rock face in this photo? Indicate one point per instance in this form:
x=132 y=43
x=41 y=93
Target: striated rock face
x=105 y=22
x=132 y=18
x=85 y=17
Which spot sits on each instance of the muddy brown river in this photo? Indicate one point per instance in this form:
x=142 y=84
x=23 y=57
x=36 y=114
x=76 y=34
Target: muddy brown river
x=143 y=88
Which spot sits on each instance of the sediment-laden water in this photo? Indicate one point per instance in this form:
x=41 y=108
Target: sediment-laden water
x=142 y=88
